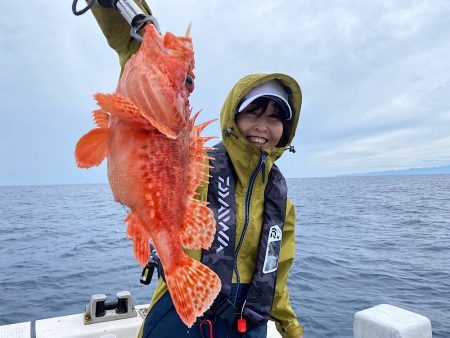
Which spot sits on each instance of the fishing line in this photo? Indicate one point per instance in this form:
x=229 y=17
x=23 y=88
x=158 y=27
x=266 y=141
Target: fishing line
x=124 y=261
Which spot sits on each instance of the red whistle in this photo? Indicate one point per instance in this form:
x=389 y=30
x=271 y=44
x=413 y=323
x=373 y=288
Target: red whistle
x=242 y=325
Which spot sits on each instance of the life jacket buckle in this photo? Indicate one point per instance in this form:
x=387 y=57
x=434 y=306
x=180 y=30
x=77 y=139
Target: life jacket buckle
x=226 y=310
x=154 y=262
x=147 y=272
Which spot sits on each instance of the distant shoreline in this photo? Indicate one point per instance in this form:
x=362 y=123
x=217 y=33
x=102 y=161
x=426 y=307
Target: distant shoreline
x=405 y=172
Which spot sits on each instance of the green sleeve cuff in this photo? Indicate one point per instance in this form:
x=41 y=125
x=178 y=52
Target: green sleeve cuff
x=117 y=30
x=294 y=333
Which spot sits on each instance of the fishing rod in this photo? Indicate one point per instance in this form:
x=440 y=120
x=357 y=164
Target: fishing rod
x=127 y=8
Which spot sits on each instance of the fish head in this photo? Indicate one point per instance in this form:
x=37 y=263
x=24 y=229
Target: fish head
x=155 y=78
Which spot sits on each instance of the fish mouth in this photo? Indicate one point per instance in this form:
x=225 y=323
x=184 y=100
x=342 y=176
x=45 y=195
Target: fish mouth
x=256 y=140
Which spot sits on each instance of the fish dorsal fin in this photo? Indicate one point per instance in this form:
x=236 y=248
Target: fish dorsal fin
x=198 y=159
x=198 y=224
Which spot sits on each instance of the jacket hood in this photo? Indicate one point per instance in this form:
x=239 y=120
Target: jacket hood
x=243 y=154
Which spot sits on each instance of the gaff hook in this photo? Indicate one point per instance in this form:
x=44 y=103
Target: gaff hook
x=139 y=21
x=131 y=12
x=84 y=10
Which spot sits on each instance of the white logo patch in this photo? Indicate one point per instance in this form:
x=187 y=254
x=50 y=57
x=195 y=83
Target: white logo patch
x=273 y=249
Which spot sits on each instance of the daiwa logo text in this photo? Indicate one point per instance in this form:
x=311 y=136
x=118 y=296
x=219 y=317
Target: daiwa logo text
x=223 y=213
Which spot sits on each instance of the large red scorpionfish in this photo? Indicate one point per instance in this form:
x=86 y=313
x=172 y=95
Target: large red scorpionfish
x=156 y=161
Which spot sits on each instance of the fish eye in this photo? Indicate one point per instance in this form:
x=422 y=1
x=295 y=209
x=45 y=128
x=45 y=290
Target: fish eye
x=189 y=83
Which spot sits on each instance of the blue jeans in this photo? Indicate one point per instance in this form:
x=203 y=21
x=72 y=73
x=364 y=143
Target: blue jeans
x=163 y=322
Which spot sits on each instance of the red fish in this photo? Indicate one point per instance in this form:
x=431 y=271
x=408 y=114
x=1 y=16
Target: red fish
x=156 y=161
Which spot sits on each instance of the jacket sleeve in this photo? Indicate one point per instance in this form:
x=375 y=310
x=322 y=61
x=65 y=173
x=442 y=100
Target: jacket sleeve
x=117 y=30
x=282 y=313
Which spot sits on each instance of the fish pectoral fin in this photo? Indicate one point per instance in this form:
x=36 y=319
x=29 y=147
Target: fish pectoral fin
x=118 y=105
x=199 y=225
x=92 y=148
x=140 y=236
x=124 y=108
x=101 y=118
x=193 y=288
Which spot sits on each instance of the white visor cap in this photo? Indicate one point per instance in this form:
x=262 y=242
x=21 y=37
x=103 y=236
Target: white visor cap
x=272 y=90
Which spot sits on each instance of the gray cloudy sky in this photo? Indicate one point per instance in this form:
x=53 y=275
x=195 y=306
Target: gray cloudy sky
x=375 y=77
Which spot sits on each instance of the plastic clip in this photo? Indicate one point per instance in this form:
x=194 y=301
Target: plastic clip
x=153 y=262
x=147 y=272
x=225 y=309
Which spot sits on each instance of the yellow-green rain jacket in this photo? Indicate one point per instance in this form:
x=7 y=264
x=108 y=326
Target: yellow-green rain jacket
x=244 y=157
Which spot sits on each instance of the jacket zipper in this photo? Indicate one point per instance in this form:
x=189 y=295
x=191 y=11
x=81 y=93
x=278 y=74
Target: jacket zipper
x=261 y=165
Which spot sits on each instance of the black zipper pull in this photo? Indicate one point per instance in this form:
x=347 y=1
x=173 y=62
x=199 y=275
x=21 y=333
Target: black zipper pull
x=229 y=132
x=263 y=165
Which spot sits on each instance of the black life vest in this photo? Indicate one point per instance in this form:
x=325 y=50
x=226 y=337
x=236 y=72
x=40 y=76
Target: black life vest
x=222 y=255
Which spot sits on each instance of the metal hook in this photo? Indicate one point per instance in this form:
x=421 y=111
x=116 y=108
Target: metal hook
x=84 y=10
x=139 y=21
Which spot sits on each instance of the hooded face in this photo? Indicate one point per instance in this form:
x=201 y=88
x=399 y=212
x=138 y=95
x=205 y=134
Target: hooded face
x=261 y=123
x=239 y=142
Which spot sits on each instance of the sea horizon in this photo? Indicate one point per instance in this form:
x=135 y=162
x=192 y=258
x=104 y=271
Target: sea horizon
x=289 y=178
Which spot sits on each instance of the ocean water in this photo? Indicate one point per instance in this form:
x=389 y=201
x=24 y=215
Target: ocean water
x=360 y=242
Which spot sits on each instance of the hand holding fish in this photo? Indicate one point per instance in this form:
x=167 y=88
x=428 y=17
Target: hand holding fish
x=156 y=161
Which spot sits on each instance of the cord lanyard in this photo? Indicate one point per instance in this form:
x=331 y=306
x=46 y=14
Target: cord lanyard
x=208 y=322
x=242 y=323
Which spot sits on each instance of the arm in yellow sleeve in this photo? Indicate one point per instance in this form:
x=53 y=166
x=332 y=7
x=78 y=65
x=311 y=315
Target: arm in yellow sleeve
x=282 y=313
x=117 y=30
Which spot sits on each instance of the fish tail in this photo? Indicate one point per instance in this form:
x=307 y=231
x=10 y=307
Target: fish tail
x=141 y=238
x=199 y=225
x=91 y=149
x=193 y=288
